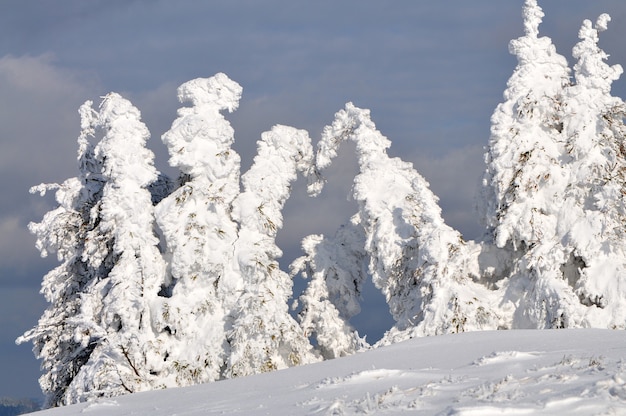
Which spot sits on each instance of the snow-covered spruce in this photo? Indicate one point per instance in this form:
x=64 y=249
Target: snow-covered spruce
x=523 y=159
x=226 y=305
x=592 y=224
x=96 y=337
x=122 y=318
x=264 y=337
x=525 y=181
x=554 y=163
x=199 y=232
x=126 y=354
x=426 y=271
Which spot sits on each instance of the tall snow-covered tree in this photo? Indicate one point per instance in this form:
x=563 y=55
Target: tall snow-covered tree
x=199 y=231
x=336 y=268
x=593 y=219
x=525 y=181
x=524 y=151
x=61 y=338
x=264 y=336
x=96 y=338
x=425 y=269
x=117 y=306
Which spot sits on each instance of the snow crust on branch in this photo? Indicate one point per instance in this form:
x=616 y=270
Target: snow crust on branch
x=201 y=130
x=591 y=66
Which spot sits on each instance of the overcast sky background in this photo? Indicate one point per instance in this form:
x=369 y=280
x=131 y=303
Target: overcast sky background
x=431 y=73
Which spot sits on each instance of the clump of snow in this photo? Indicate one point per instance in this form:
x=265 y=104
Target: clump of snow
x=533 y=16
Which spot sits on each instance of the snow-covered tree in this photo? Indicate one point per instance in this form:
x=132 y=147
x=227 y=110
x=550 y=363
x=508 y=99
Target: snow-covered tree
x=523 y=159
x=555 y=183
x=264 y=337
x=116 y=307
x=96 y=337
x=337 y=268
x=199 y=231
x=592 y=222
x=423 y=267
x=525 y=180
x=60 y=339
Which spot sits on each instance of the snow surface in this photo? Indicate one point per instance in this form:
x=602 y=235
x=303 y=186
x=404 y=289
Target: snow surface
x=538 y=372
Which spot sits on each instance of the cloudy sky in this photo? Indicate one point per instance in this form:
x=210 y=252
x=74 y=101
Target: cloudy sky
x=431 y=72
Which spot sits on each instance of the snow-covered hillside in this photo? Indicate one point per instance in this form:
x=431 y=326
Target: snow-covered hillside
x=538 y=372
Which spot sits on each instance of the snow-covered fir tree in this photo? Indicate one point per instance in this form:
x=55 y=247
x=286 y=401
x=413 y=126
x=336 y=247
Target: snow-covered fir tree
x=61 y=340
x=525 y=181
x=96 y=337
x=337 y=268
x=524 y=151
x=555 y=181
x=117 y=306
x=264 y=337
x=592 y=223
x=425 y=269
x=199 y=232
x=226 y=306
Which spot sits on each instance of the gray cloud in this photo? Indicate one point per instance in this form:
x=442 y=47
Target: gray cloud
x=39 y=125
x=19 y=309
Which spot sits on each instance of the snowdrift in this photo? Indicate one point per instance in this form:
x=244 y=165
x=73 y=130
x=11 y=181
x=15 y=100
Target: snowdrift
x=547 y=372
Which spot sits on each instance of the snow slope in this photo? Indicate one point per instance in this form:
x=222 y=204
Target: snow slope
x=538 y=372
